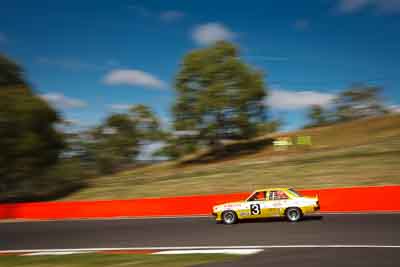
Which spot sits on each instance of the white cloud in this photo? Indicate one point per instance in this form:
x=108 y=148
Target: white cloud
x=72 y=122
x=383 y=6
x=302 y=24
x=394 y=108
x=290 y=100
x=134 y=78
x=147 y=151
x=60 y=100
x=171 y=15
x=120 y=107
x=211 y=32
x=166 y=120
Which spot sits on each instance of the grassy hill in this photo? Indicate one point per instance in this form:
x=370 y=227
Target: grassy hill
x=363 y=152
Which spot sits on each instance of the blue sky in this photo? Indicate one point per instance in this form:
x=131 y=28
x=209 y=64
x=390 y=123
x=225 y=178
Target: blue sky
x=93 y=57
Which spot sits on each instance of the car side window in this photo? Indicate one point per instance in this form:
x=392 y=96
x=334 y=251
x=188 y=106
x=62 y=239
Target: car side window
x=277 y=195
x=258 y=196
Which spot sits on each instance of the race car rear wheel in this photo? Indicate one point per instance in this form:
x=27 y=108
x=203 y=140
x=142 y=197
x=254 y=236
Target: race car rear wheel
x=293 y=214
x=229 y=217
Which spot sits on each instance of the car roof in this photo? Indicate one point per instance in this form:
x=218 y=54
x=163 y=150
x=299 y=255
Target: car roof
x=273 y=189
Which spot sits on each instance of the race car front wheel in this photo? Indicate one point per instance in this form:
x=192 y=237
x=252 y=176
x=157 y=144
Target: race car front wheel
x=293 y=214
x=229 y=217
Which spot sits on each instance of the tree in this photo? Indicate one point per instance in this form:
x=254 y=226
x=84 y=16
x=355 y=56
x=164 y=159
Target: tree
x=118 y=140
x=29 y=143
x=359 y=101
x=318 y=116
x=147 y=123
x=116 y=143
x=170 y=150
x=10 y=73
x=269 y=127
x=218 y=95
x=176 y=146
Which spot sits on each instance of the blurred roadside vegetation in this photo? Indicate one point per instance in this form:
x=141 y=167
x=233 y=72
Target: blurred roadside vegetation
x=92 y=259
x=30 y=145
x=220 y=139
x=362 y=152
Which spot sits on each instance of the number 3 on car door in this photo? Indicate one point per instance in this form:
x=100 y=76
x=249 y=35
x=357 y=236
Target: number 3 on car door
x=255 y=209
x=256 y=204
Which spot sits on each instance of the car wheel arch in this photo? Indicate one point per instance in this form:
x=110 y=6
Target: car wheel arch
x=235 y=220
x=301 y=214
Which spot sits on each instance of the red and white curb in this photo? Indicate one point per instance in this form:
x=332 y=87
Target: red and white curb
x=141 y=251
x=238 y=251
x=232 y=250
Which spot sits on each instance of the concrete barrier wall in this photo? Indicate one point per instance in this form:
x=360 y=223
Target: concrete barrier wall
x=355 y=199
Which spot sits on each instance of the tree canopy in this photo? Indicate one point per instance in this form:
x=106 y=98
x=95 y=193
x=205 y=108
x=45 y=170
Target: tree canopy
x=359 y=101
x=318 y=116
x=10 y=72
x=218 y=95
x=28 y=139
x=118 y=140
x=147 y=123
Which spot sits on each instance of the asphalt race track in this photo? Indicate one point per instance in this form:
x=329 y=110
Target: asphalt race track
x=329 y=230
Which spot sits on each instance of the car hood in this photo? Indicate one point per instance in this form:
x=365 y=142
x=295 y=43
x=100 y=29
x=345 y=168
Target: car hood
x=229 y=204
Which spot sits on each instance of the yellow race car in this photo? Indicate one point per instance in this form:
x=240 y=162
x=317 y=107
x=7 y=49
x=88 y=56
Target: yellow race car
x=264 y=203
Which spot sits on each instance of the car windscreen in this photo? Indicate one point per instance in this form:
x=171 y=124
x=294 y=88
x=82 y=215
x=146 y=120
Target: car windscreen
x=294 y=192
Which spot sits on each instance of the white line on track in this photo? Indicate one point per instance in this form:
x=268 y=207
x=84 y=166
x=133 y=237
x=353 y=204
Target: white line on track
x=194 y=248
